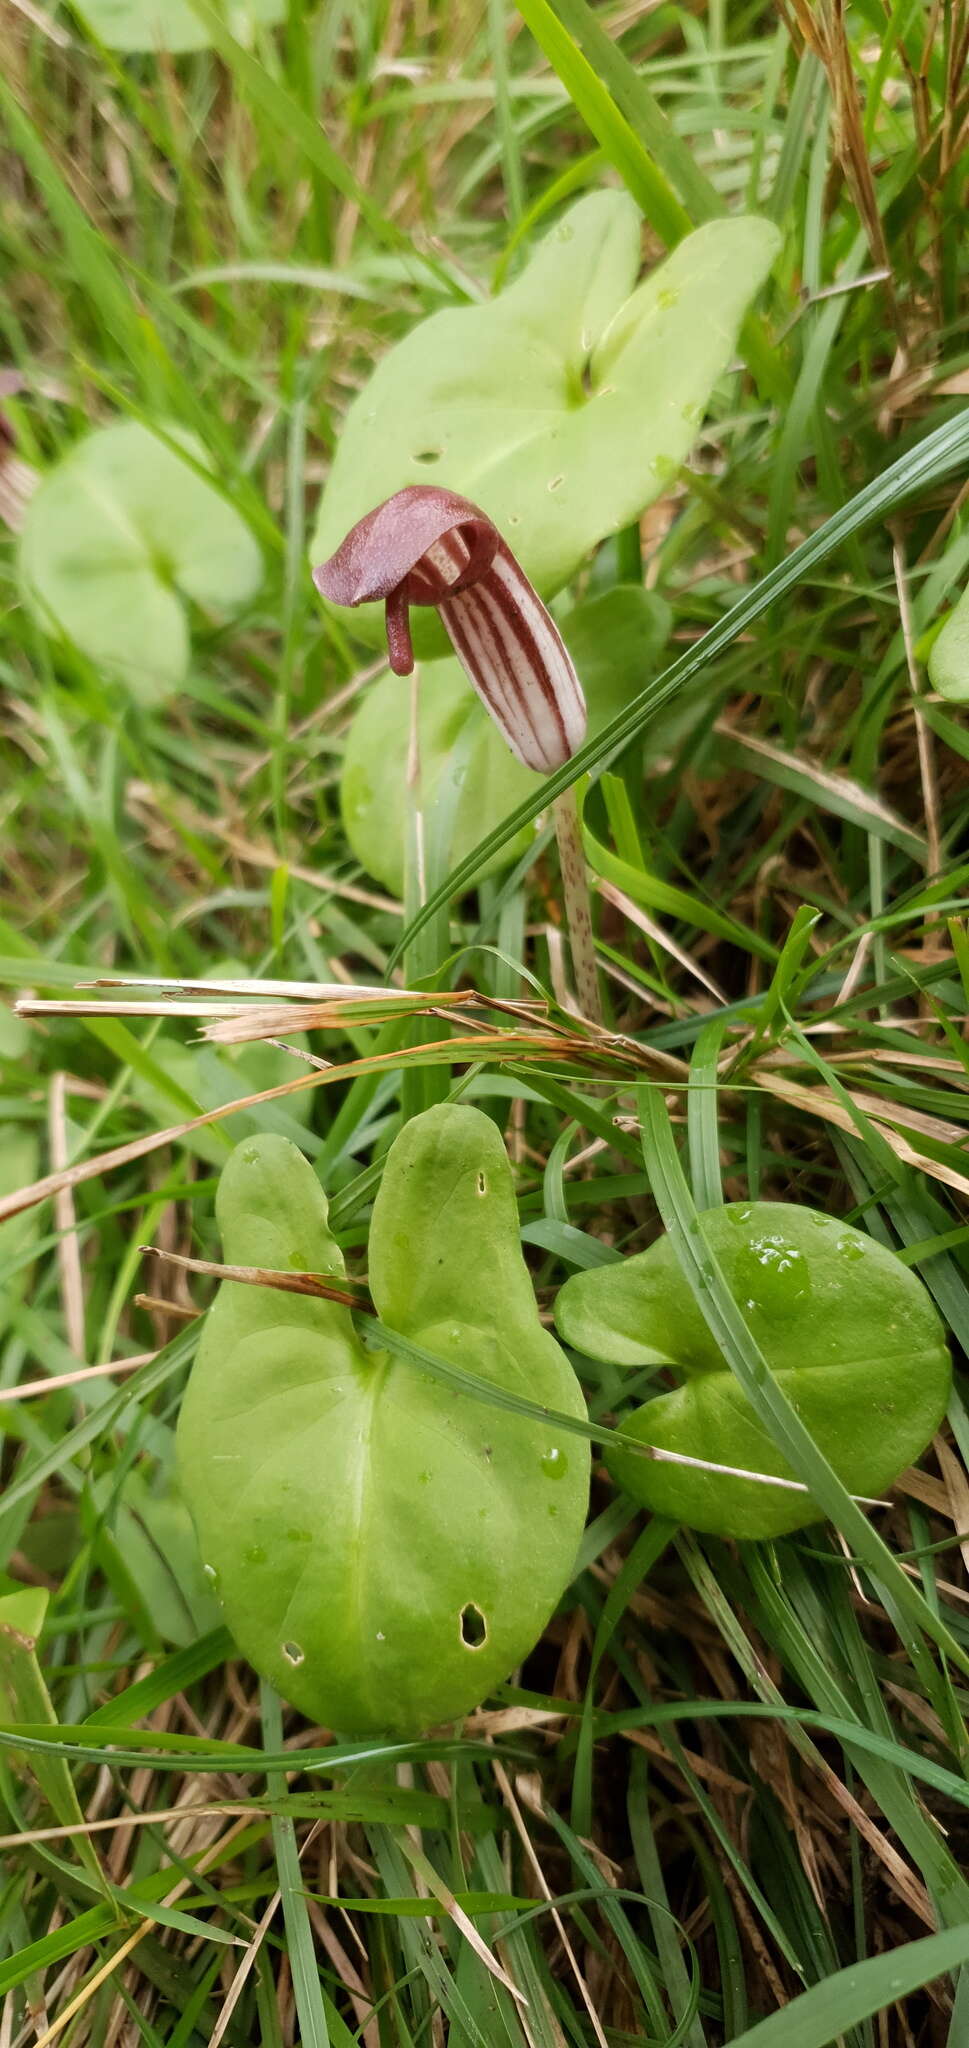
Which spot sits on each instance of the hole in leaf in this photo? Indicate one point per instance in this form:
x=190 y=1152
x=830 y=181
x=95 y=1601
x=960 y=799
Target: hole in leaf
x=474 y=1628
x=293 y=1653
x=482 y=1184
x=428 y=454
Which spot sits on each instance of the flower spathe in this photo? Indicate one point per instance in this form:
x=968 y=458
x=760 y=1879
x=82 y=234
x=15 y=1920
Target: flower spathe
x=431 y=546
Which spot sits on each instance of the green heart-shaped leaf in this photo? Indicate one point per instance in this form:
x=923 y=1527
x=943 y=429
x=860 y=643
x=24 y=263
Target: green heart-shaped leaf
x=469 y=779
x=115 y=539
x=949 y=658
x=850 y=1332
x=385 y=1549
x=173 y=24
x=564 y=406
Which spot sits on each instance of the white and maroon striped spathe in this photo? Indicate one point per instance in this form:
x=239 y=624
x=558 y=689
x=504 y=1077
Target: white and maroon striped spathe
x=430 y=546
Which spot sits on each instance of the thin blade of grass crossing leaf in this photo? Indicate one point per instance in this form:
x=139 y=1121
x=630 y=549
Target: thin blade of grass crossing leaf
x=746 y=1360
x=934 y=458
x=380 y=1337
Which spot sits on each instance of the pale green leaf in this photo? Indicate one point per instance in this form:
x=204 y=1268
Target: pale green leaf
x=119 y=534
x=173 y=25
x=850 y=1334
x=564 y=406
x=949 y=659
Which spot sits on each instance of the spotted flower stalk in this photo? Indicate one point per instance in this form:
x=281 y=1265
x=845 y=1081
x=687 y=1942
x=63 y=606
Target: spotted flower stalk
x=428 y=546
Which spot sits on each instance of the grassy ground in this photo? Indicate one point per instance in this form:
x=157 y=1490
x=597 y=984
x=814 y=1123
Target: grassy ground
x=740 y=1771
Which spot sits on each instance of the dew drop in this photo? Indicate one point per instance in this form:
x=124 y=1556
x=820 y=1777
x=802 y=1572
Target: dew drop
x=554 y=1464
x=255 y=1554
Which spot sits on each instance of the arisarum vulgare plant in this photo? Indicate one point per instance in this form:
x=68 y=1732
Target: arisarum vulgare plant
x=430 y=546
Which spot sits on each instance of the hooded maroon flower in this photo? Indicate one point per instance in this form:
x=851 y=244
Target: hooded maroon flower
x=429 y=546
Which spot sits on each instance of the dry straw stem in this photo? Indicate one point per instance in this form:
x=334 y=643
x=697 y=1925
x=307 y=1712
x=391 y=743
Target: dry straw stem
x=577 y=905
x=266 y=1276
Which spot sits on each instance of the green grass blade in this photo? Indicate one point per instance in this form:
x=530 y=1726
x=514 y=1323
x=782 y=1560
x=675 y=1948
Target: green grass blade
x=307 y=1990
x=818 y=2017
